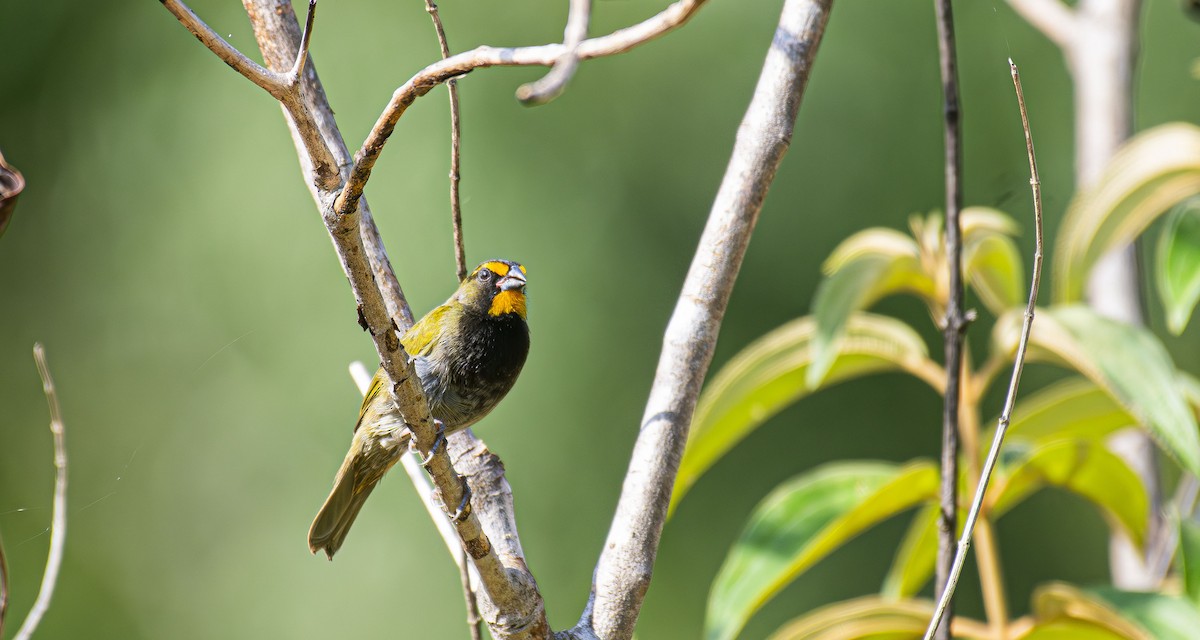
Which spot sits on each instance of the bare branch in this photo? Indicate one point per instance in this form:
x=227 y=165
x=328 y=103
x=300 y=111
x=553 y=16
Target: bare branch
x=460 y=254
x=954 y=325
x=511 y=589
x=624 y=569
x=319 y=144
x=279 y=85
x=552 y=84
x=58 y=522
x=480 y=57
x=1010 y=400
x=1054 y=18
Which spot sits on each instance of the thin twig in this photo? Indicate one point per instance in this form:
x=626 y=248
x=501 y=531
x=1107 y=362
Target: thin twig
x=284 y=86
x=58 y=522
x=551 y=85
x=626 y=563
x=460 y=254
x=474 y=622
x=3 y=588
x=275 y=83
x=1010 y=400
x=616 y=42
x=955 y=321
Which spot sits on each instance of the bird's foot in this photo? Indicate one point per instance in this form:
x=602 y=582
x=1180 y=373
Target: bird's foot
x=463 y=512
x=439 y=441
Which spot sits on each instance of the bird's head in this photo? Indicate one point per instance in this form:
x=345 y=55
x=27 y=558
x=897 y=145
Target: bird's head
x=496 y=288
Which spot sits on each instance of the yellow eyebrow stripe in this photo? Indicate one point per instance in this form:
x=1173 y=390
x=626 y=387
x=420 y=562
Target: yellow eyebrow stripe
x=496 y=267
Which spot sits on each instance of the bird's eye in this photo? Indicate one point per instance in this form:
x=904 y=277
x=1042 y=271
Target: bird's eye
x=484 y=275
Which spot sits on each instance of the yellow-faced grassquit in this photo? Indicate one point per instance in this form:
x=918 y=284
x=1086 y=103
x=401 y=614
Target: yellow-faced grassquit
x=467 y=353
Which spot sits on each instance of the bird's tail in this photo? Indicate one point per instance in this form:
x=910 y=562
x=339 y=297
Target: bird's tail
x=329 y=528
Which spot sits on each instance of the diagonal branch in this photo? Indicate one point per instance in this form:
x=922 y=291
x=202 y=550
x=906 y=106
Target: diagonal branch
x=1054 y=18
x=964 y=543
x=616 y=42
x=283 y=86
x=554 y=83
x=623 y=572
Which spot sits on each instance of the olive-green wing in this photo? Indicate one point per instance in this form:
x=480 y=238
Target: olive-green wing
x=419 y=340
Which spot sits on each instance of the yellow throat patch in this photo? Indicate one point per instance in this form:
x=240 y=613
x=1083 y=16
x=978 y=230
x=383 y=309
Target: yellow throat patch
x=508 y=302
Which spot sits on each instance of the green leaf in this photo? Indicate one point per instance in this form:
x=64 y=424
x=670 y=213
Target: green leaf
x=1086 y=468
x=769 y=374
x=875 y=618
x=1128 y=362
x=1166 y=617
x=1071 y=408
x=1178 y=268
x=994 y=270
x=1189 y=559
x=864 y=268
x=1155 y=170
x=800 y=523
x=914 y=561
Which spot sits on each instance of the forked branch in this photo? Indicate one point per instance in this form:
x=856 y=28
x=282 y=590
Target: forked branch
x=616 y=42
x=554 y=83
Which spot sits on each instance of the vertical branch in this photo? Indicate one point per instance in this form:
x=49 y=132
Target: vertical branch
x=460 y=255
x=58 y=522
x=955 y=322
x=622 y=574
x=474 y=621
x=964 y=543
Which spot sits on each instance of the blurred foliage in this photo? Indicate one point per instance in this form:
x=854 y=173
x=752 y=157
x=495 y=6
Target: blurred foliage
x=168 y=255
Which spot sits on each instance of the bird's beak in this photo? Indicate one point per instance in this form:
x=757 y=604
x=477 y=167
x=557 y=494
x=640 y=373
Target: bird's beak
x=514 y=280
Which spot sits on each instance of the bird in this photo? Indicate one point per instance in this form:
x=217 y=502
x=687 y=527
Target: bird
x=467 y=353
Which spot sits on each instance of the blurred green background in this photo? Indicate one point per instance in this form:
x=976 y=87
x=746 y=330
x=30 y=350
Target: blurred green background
x=168 y=255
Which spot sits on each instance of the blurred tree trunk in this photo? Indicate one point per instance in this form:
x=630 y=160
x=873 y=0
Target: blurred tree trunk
x=1101 y=58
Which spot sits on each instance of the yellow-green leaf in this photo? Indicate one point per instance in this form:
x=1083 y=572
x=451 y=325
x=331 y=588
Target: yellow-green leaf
x=915 y=558
x=1128 y=362
x=1178 y=268
x=1084 y=467
x=1071 y=408
x=1071 y=630
x=800 y=523
x=1155 y=170
x=873 y=617
x=860 y=272
x=1165 y=617
x=993 y=268
x=1189 y=559
x=1057 y=601
x=769 y=375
